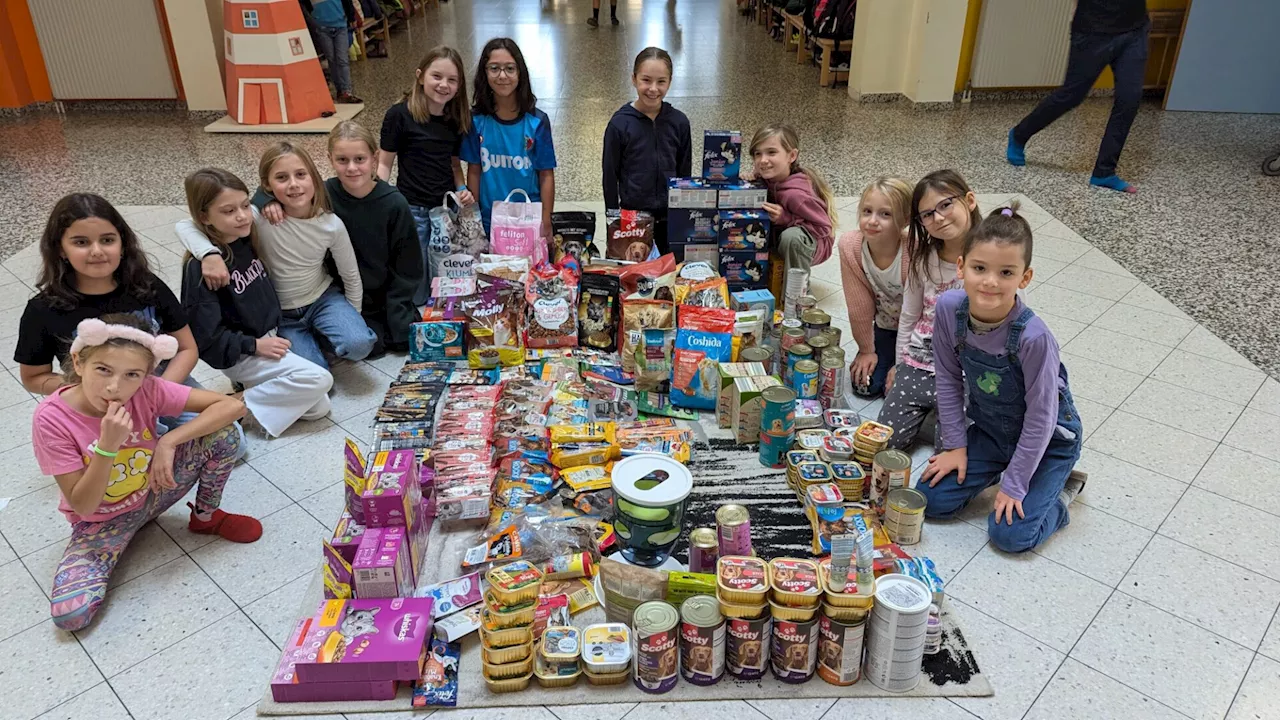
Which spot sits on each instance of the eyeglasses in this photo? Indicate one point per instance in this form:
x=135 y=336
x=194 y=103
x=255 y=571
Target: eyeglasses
x=496 y=69
x=942 y=208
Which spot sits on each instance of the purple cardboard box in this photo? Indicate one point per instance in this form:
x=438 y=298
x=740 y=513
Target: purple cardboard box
x=347 y=536
x=361 y=641
x=392 y=497
x=383 y=567
x=285 y=686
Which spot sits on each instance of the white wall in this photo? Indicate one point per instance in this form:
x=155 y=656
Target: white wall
x=910 y=47
x=1228 y=61
x=197 y=55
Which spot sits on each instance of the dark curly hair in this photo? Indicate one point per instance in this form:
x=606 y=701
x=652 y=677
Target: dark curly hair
x=57 y=279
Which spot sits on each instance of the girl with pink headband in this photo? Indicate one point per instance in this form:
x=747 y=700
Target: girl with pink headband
x=96 y=435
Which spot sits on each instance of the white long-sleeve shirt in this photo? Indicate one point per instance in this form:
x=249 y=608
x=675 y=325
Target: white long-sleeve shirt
x=919 y=301
x=294 y=253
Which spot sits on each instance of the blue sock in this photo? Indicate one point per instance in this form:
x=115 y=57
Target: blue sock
x=1016 y=154
x=1112 y=182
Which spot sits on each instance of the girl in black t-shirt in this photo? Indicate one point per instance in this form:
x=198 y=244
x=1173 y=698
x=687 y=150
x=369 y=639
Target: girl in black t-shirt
x=93 y=265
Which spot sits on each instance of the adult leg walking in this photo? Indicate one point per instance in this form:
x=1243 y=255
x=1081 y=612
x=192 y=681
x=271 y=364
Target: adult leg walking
x=1129 y=65
x=1085 y=62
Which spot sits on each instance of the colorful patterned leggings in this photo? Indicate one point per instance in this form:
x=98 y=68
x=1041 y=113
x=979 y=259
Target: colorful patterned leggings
x=80 y=585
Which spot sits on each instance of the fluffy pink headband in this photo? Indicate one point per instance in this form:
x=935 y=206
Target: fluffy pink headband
x=93 y=332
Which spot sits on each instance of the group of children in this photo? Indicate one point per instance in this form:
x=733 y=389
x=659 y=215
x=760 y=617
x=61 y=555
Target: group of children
x=279 y=278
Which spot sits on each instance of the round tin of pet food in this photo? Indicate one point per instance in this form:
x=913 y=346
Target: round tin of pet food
x=904 y=515
x=758 y=354
x=778 y=416
x=796 y=353
x=733 y=532
x=833 y=332
x=821 y=344
x=839 y=650
x=773 y=449
x=704 y=550
x=746 y=646
x=891 y=469
x=657 y=658
x=804 y=379
x=702 y=640
x=896 y=632
x=791 y=336
x=815 y=321
x=794 y=650
x=804 y=304
x=829 y=377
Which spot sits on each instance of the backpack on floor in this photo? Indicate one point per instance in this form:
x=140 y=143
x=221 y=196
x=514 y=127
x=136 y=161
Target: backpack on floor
x=836 y=19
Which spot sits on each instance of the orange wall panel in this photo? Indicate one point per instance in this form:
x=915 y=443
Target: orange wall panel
x=23 y=78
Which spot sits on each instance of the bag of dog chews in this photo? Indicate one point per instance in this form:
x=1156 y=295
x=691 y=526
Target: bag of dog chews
x=704 y=339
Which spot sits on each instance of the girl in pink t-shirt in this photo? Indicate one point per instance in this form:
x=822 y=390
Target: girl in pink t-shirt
x=97 y=437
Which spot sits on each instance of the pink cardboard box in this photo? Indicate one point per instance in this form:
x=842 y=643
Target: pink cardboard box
x=392 y=497
x=361 y=641
x=285 y=686
x=383 y=567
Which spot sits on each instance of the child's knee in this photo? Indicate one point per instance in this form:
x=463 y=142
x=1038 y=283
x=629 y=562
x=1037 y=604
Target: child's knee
x=1015 y=538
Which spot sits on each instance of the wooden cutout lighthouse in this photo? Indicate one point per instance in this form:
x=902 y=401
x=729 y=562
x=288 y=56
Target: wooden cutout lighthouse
x=273 y=74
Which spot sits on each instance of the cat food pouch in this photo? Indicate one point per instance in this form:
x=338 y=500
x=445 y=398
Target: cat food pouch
x=704 y=339
x=599 y=311
x=630 y=235
x=573 y=233
x=493 y=328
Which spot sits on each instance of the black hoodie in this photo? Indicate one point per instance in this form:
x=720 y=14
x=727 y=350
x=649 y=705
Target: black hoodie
x=640 y=155
x=228 y=322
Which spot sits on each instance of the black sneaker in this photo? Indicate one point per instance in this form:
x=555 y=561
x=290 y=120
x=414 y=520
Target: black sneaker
x=593 y=22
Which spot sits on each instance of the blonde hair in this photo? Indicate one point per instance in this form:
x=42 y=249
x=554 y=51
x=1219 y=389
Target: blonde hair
x=789 y=140
x=203 y=188
x=319 y=201
x=352 y=130
x=458 y=109
x=898 y=192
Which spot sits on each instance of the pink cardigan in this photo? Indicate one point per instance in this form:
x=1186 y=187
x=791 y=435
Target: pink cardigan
x=858 y=295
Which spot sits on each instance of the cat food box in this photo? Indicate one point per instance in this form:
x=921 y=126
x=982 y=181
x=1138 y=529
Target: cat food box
x=392 y=497
x=729 y=372
x=721 y=155
x=742 y=195
x=347 y=536
x=746 y=405
x=303 y=647
x=744 y=230
x=693 y=225
x=365 y=641
x=761 y=301
x=691 y=193
x=383 y=567
x=707 y=252
x=744 y=269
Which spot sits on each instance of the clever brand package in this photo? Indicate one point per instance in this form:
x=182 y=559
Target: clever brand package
x=742 y=195
x=692 y=193
x=744 y=230
x=759 y=300
x=383 y=567
x=744 y=269
x=303 y=646
x=704 y=339
x=721 y=155
x=366 y=640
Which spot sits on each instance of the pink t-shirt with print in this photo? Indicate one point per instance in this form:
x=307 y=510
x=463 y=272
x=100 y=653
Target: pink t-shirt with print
x=62 y=434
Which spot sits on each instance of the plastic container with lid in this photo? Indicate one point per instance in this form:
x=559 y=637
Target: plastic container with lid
x=863 y=597
x=559 y=650
x=795 y=582
x=506 y=671
x=502 y=656
x=515 y=583
x=606 y=650
x=824 y=494
x=505 y=637
x=743 y=580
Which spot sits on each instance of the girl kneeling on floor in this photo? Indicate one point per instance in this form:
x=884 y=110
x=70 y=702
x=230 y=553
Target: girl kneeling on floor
x=97 y=437
x=1025 y=432
x=800 y=203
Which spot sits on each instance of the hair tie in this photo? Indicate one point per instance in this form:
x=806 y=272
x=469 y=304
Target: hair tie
x=94 y=332
x=1007 y=212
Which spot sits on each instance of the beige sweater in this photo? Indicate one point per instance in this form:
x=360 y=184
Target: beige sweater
x=858 y=294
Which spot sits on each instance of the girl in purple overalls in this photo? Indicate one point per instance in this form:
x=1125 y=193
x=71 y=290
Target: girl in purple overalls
x=1025 y=432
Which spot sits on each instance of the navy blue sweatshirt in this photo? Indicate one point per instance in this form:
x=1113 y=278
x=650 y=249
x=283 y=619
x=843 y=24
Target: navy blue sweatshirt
x=228 y=322
x=640 y=155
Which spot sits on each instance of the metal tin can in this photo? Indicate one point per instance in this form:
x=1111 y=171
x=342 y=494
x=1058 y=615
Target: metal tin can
x=804 y=378
x=746 y=648
x=834 y=351
x=760 y=354
x=794 y=650
x=904 y=515
x=796 y=353
x=733 y=530
x=833 y=332
x=815 y=321
x=820 y=345
x=829 y=377
x=701 y=640
x=890 y=469
x=773 y=449
x=704 y=550
x=804 y=304
x=778 y=416
x=657 y=660
x=840 y=650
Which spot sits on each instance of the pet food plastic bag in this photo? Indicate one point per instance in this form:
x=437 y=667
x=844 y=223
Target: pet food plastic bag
x=599 y=311
x=551 y=302
x=457 y=239
x=629 y=235
x=515 y=228
x=573 y=233
x=704 y=339
x=493 y=328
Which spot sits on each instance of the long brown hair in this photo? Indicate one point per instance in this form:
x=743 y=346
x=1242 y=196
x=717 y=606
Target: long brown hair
x=69 y=374
x=320 y=201
x=203 y=188
x=57 y=279
x=485 y=104
x=920 y=244
x=653 y=53
x=790 y=140
x=458 y=110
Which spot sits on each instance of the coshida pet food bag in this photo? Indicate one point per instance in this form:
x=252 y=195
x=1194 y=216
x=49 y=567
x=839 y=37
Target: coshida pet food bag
x=704 y=339
x=515 y=228
x=457 y=239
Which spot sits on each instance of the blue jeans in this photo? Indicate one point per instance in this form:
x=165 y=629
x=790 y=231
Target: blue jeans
x=330 y=321
x=886 y=354
x=422 y=222
x=334 y=43
x=1090 y=54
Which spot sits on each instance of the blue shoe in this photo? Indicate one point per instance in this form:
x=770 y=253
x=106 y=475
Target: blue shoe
x=1112 y=182
x=1015 y=153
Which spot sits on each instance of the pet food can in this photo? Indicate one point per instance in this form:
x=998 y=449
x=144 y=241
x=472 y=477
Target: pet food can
x=778 y=416
x=791 y=336
x=896 y=632
x=804 y=379
x=830 y=376
x=704 y=550
x=745 y=646
x=701 y=640
x=821 y=344
x=773 y=449
x=804 y=304
x=815 y=321
x=891 y=469
x=650 y=493
x=904 y=515
x=833 y=332
x=758 y=354
x=796 y=353
x=839 y=650
x=794 y=650
x=657 y=646
x=733 y=533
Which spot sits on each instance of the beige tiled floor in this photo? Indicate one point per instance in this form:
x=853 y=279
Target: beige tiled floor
x=1157 y=601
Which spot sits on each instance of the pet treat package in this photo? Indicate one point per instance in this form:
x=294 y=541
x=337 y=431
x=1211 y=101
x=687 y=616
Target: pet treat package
x=599 y=311
x=648 y=304
x=721 y=155
x=745 y=269
x=704 y=339
x=493 y=327
x=365 y=640
x=652 y=356
x=743 y=230
x=436 y=341
x=573 y=233
x=630 y=235
x=457 y=239
x=551 y=306
x=439 y=684
x=515 y=228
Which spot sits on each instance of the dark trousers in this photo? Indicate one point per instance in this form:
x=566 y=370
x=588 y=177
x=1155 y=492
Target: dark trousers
x=1090 y=53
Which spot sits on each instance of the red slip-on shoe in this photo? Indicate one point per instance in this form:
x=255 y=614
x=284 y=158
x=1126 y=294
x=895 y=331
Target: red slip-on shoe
x=236 y=528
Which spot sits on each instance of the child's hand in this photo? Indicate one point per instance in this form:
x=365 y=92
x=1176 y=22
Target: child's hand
x=274 y=212
x=273 y=348
x=1005 y=506
x=888 y=379
x=214 y=270
x=862 y=368
x=115 y=427
x=160 y=472
x=942 y=465
x=774 y=210
x=466 y=198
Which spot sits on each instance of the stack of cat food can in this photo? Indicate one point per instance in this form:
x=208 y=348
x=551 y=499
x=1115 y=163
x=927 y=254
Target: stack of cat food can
x=777 y=425
x=742 y=590
x=795 y=593
x=556 y=664
x=841 y=627
x=896 y=632
x=506 y=631
x=606 y=653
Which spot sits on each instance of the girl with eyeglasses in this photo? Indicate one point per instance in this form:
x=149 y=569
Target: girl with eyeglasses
x=944 y=211
x=509 y=145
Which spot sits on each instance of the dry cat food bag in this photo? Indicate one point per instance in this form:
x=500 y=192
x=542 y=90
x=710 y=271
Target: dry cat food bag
x=630 y=235
x=493 y=327
x=704 y=339
x=457 y=239
x=599 y=311
x=551 y=307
